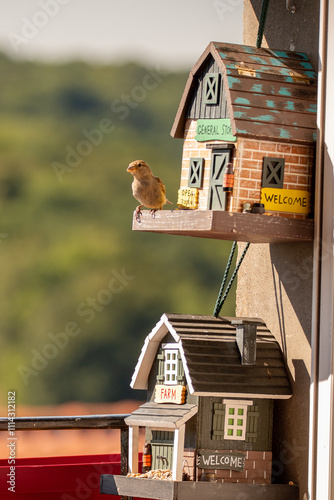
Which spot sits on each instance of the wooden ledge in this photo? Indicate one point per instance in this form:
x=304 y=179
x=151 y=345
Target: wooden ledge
x=190 y=490
x=217 y=224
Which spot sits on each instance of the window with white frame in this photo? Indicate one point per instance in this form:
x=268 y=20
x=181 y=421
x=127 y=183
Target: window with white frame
x=236 y=418
x=171 y=364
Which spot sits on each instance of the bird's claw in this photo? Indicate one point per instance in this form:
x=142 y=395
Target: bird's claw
x=152 y=212
x=138 y=215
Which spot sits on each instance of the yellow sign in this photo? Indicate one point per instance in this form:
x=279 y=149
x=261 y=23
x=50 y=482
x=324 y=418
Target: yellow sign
x=286 y=200
x=170 y=394
x=187 y=198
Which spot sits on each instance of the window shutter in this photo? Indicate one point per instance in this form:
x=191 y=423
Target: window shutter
x=180 y=375
x=211 y=88
x=252 y=418
x=218 y=421
x=273 y=172
x=196 y=172
x=161 y=360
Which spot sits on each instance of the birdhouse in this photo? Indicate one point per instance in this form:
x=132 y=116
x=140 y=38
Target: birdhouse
x=211 y=383
x=247 y=119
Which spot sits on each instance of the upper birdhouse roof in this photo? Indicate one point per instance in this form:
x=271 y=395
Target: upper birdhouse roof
x=269 y=94
x=211 y=358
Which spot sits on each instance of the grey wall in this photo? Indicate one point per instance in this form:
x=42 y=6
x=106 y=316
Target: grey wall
x=284 y=30
x=275 y=284
x=275 y=281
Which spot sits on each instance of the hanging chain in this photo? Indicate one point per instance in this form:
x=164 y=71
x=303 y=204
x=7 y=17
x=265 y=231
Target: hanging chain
x=220 y=299
x=227 y=269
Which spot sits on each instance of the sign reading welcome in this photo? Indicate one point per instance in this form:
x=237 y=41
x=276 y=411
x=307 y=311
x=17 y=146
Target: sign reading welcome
x=286 y=200
x=220 y=460
x=214 y=129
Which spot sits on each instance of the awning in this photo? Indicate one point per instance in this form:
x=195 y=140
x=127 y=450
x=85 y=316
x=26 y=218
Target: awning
x=161 y=416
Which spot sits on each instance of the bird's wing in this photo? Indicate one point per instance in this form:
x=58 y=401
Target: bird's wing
x=163 y=189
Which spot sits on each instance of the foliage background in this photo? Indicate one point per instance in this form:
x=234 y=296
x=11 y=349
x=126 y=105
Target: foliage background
x=60 y=239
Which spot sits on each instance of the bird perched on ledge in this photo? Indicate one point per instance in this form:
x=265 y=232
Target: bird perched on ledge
x=146 y=188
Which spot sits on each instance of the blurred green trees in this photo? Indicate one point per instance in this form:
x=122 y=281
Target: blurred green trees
x=79 y=290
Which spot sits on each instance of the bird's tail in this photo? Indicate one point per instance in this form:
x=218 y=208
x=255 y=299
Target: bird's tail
x=169 y=202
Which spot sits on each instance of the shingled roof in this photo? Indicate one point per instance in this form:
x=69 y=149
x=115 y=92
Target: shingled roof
x=270 y=94
x=211 y=358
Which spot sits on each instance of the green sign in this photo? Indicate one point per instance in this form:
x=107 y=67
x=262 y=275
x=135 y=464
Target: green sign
x=215 y=129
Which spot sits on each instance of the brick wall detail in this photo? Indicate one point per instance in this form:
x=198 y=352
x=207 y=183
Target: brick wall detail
x=257 y=470
x=189 y=456
x=248 y=162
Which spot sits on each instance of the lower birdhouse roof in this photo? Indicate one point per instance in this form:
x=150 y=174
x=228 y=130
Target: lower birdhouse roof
x=212 y=361
x=166 y=416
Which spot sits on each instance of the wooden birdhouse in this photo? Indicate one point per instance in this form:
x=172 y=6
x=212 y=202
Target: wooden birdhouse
x=210 y=384
x=248 y=121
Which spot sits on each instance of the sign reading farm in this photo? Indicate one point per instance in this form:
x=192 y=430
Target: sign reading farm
x=214 y=129
x=170 y=394
x=286 y=200
x=220 y=460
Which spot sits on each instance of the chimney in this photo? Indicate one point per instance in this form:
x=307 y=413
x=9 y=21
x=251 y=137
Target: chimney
x=246 y=338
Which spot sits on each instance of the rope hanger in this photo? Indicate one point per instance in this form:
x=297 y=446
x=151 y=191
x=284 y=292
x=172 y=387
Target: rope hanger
x=262 y=22
x=223 y=295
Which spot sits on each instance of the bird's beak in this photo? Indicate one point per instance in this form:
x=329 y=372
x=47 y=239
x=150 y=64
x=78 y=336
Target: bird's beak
x=130 y=169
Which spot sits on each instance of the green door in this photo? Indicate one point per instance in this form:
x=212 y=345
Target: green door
x=162 y=449
x=217 y=197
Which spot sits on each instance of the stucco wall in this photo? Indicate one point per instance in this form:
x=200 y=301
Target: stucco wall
x=275 y=281
x=275 y=284
x=284 y=30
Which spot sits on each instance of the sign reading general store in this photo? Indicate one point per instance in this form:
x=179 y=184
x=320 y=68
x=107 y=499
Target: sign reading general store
x=211 y=129
x=220 y=460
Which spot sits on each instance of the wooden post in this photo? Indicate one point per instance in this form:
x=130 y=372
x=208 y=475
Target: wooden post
x=124 y=455
x=321 y=457
x=178 y=453
x=124 y=451
x=133 y=448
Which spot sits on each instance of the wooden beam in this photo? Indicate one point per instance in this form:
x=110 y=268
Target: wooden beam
x=178 y=450
x=66 y=422
x=222 y=225
x=133 y=448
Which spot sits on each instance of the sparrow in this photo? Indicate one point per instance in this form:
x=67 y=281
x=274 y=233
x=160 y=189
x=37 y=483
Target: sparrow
x=146 y=188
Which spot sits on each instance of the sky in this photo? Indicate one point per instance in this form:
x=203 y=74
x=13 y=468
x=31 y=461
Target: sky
x=172 y=33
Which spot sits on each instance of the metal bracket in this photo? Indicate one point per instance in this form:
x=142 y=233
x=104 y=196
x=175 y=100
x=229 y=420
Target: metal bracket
x=163 y=459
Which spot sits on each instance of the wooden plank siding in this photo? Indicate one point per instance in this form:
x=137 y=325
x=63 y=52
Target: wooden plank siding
x=267 y=94
x=197 y=107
